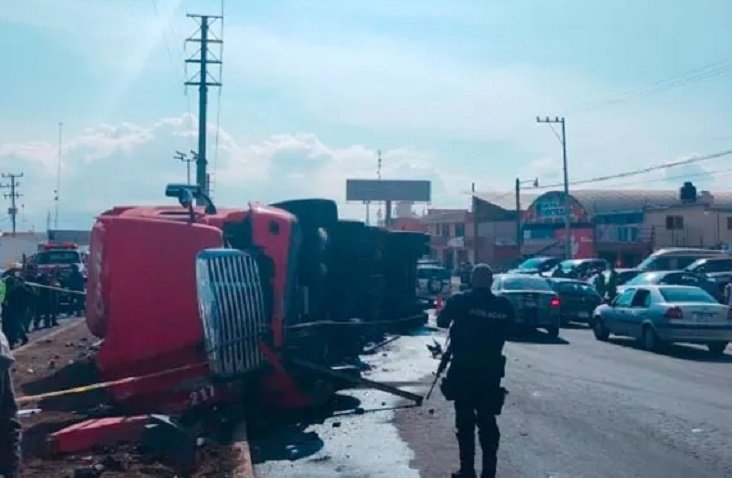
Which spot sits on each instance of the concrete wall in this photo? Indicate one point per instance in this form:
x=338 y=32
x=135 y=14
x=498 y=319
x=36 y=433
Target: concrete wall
x=702 y=226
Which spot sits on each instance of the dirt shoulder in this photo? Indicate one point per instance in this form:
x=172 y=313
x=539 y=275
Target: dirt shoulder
x=64 y=359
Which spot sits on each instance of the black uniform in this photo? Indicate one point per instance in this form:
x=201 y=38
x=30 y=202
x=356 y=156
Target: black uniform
x=480 y=322
x=13 y=313
x=75 y=282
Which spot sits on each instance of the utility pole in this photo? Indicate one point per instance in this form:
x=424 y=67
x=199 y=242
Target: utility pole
x=205 y=79
x=474 y=207
x=13 y=186
x=184 y=158
x=567 y=224
x=519 y=236
x=57 y=192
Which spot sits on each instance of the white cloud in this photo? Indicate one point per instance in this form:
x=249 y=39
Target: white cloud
x=108 y=165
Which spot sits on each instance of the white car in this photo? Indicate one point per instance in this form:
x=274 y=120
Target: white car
x=661 y=314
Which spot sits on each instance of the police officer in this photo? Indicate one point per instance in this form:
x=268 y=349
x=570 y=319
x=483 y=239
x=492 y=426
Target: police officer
x=478 y=322
x=75 y=282
x=13 y=311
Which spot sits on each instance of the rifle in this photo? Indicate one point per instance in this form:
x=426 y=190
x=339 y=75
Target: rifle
x=444 y=360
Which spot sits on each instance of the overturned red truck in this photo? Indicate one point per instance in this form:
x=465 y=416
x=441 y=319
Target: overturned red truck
x=203 y=304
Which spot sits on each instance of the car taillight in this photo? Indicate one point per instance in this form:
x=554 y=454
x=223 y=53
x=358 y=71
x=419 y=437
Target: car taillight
x=555 y=302
x=674 y=313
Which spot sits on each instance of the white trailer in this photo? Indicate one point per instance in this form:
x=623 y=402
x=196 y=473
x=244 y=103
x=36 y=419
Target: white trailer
x=14 y=246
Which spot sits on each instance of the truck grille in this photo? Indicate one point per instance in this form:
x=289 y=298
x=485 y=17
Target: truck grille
x=231 y=305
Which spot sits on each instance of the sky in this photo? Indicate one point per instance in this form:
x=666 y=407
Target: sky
x=312 y=89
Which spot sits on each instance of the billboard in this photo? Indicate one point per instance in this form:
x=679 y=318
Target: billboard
x=388 y=190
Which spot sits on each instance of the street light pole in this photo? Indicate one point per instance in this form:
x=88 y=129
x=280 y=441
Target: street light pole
x=567 y=218
x=519 y=236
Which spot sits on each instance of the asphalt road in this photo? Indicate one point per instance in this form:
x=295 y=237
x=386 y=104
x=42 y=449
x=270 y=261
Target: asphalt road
x=589 y=409
x=577 y=408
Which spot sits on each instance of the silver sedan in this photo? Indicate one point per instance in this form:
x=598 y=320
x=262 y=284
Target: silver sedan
x=659 y=314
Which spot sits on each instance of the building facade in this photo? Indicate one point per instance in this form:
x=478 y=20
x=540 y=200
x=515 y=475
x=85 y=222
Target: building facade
x=451 y=236
x=497 y=226
x=624 y=226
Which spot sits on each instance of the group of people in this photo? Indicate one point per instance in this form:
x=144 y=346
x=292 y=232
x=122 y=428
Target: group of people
x=32 y=300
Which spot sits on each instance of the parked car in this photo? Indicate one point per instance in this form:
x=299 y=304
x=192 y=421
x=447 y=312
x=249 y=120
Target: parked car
x=578 y=300
x=675 y=278
x=661 y=314
x=678 y=258
x=433 y=280
x=579 y=268
x=718 y=270
x=535 y=265
x=536 y=304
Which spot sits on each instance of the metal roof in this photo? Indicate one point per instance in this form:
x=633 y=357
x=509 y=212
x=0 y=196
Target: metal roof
x=604 y=201
x=607 y=201
x=507 y=200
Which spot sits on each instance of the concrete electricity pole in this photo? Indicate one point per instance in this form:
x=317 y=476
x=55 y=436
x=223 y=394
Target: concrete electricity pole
x=567 y=219
x=13 y=186
x=57 y=191
x=205 y=79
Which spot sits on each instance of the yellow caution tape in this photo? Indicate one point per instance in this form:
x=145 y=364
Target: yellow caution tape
x=102 y=385
x=60 y=289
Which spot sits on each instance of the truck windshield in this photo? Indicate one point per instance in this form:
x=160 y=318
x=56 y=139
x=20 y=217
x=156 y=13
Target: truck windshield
x=432 y=272
x=58 y=257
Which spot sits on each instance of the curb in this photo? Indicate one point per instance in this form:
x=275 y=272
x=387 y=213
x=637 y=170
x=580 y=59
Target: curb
x=240 y=447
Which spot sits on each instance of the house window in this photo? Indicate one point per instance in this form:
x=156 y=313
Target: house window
x=445 y=230
x=674 y=222
x=460 y=230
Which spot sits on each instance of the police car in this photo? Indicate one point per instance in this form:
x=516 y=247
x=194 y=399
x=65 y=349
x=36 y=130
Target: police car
x=58 y=257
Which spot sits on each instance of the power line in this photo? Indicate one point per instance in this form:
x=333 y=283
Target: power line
x=567 y=220
x=707 y=71
x=716 y=172
x=205 y=58
x=166 y=43
x=169 y=28
x=218 y=106
x=649 y=169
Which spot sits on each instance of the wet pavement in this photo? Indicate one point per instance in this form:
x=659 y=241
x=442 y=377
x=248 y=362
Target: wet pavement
x=577 y=408
x=359 y=438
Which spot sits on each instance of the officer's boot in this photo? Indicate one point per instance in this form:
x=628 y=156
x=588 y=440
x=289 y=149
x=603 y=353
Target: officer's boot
x=466 y=446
